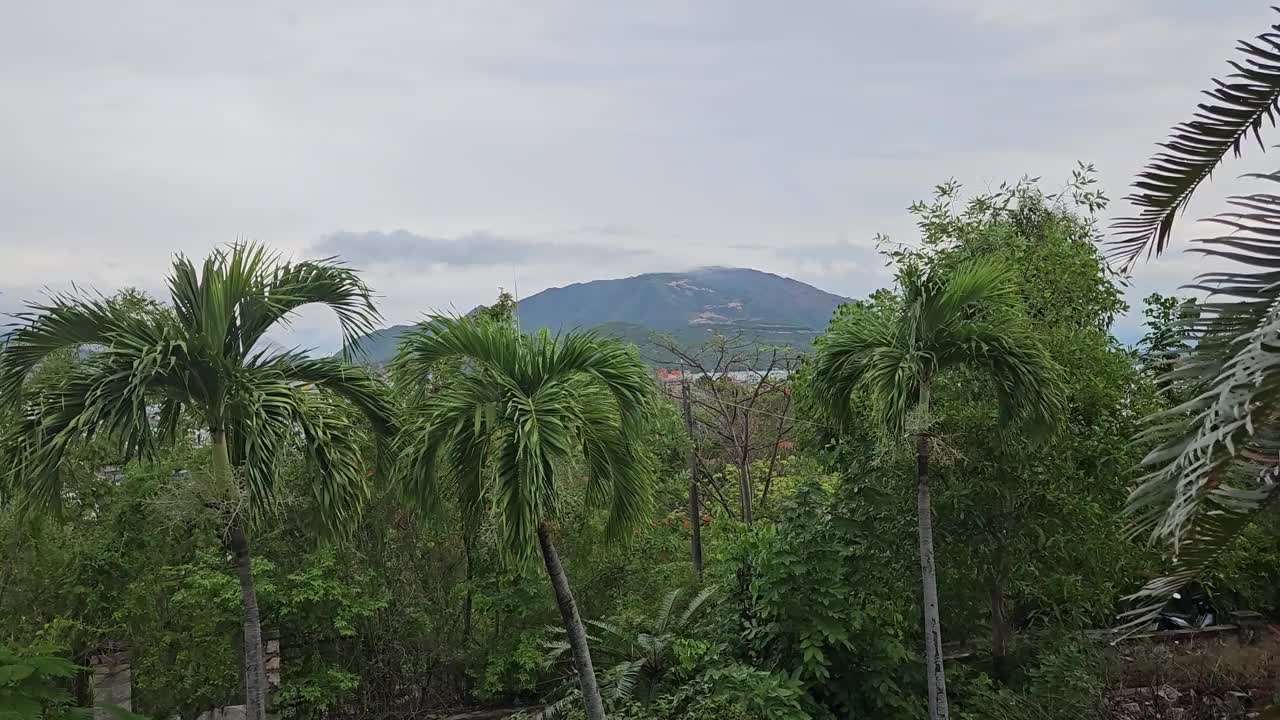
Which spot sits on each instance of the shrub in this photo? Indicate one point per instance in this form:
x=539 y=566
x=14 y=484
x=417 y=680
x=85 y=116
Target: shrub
x=822 y=608
x=33 y=686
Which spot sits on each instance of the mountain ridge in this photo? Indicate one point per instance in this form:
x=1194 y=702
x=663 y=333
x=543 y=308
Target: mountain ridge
x=693 y=305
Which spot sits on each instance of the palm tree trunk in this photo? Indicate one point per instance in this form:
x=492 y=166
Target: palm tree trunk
x=744 y=474
x=695 y=507
x=573 y=626
x=695 y=527
x=999 y=631
x=467 y=601
x=928 y=576
x=255 y=676
x=255 y=672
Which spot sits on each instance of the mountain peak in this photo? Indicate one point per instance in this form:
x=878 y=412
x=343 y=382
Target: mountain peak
x=690 y=305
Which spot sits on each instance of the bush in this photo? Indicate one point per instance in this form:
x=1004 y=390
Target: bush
x=33 y=686
x=1060 y=682
x=728 y=692
x=1245 y=578
x=820 y=607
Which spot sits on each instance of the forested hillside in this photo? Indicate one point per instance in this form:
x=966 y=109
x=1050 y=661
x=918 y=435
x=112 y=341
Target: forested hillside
x=693 y=307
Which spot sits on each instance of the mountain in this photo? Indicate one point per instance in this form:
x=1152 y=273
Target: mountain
x=692 y=306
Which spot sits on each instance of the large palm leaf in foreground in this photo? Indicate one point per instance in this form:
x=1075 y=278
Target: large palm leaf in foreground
x=968 y=316
x=503 y=432
x=1239 y=104
x=1216 y=457
x=147 y=370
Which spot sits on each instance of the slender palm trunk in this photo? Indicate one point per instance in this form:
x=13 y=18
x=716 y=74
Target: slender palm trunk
x=744 y=474
x=255 y=677
x=997 y=585
x=695 y=507
x=468 y=543
x=928 y=576
x=255 y=673
x=695 y=527
x=573 y=626
x=999 y=631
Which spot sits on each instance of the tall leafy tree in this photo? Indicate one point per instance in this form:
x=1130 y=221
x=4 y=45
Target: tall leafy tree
x=1012 y=513
x=507 y=431
x=146 y=370
x=1216 y=462
x=964 y=317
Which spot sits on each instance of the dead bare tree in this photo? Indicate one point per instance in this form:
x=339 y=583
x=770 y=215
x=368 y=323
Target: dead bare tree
x=741 y=410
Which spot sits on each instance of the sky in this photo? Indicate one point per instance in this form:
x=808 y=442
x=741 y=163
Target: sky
x=447 y=149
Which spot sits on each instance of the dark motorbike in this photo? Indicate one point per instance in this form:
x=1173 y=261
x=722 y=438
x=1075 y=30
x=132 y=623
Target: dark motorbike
x=1187 y=613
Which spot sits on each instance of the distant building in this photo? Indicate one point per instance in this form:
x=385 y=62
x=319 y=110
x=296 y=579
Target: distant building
x=742 y=377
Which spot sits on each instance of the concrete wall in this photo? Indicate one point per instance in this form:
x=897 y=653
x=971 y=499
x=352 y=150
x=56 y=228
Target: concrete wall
x=112 y=683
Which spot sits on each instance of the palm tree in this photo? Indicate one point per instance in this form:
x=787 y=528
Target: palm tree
x=145 y=371
x=1216 y=460
x=968 y=316
x=505 y=431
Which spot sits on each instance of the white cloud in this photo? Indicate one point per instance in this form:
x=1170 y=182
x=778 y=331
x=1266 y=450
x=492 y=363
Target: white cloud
x=707 y=133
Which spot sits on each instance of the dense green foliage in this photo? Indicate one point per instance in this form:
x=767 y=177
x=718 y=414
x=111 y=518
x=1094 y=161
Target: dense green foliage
x=810 y=612
x=30 y=687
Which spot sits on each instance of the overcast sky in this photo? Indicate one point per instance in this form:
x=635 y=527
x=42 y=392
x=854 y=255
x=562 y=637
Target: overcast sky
x=449 y=148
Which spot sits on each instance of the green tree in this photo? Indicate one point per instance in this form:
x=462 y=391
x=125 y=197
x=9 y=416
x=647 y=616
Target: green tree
x=966 y=317
x=1214 y=469
x=1021 y=523
x=31 y=687
x=415 y=395
x=508 y=428
x=1165 y=318
x=148 y=369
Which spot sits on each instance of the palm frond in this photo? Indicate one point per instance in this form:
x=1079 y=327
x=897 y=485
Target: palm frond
x=1213 y=466
x=1223 y=514
x=695 y=605
x=614 y=364
x=518 y=497
x=285 y=287
x=441 y=337
x=103 y=396
x=148 y=367
x=1239 y=105
x=645 y=656
x=419 y=444
x=560 y=708
x=338 y=482
x=963 y=316
x=1027 y=381
x=619 y=684
x=521 y=406
x=620 y=474
x=260 y=420
x=847 y=356
x=65 y=322
x=243 y=290
x=663 y=618
x=269 y=415
x=987 y=283
x=355 y=384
